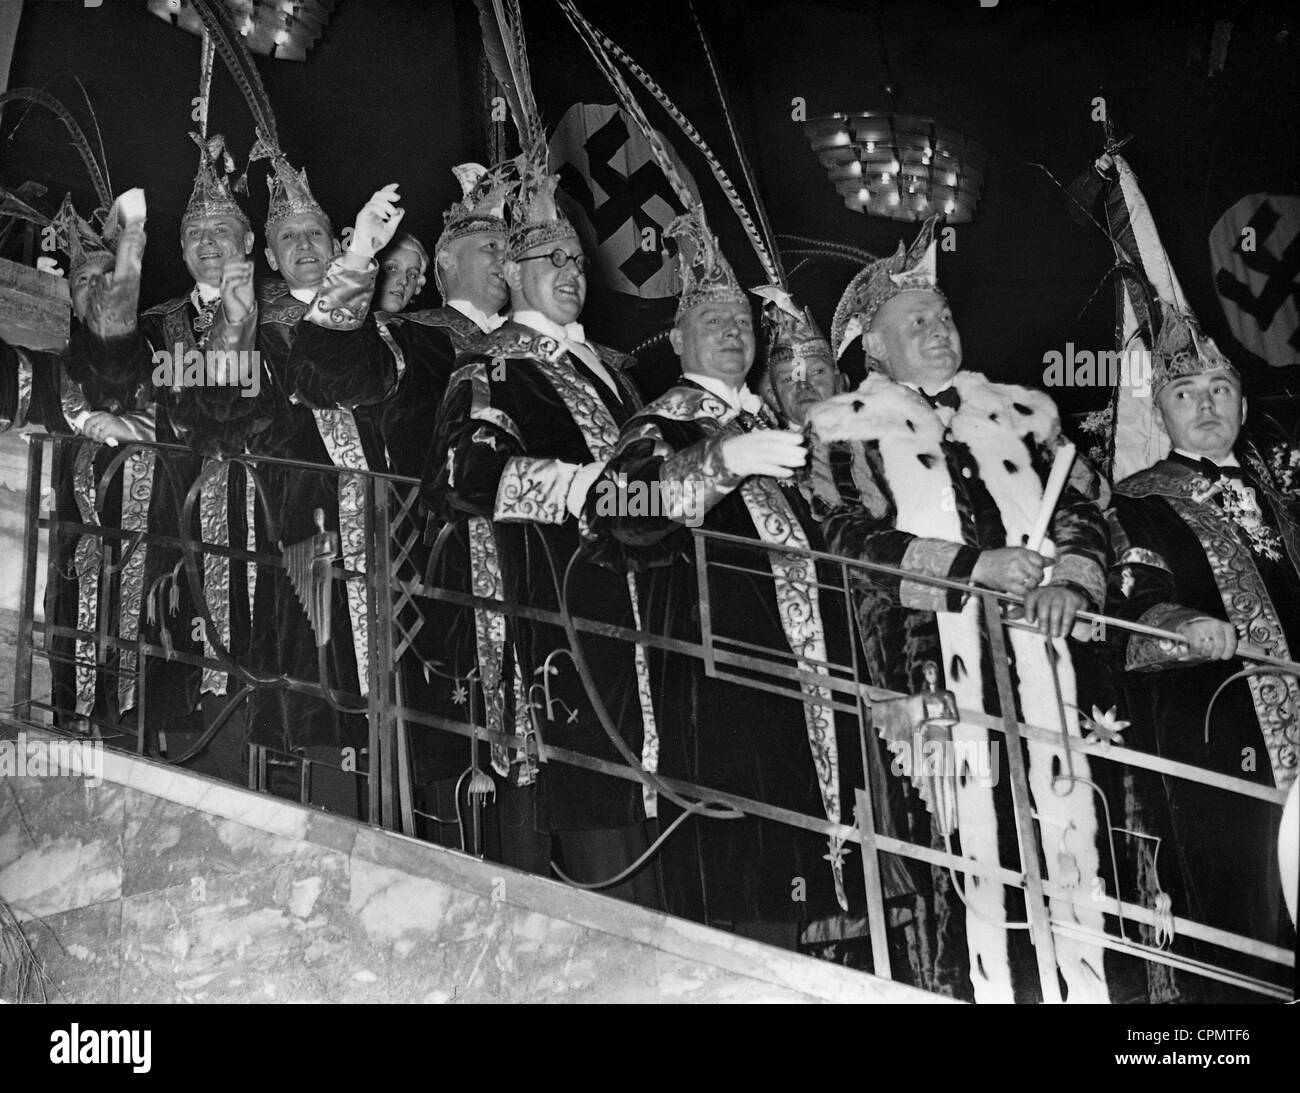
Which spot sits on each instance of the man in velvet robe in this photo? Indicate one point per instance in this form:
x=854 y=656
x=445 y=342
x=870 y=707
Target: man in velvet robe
x=708 y=454
x=164 y=358
x=1206 y=545
x=940 y=473
x=528 y=421
x=423 y=346
x=327 y=413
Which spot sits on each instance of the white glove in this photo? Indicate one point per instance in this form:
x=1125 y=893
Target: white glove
x=583 y=480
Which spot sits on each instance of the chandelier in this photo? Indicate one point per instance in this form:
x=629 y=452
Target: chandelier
x=899 y=166
x=283 y=29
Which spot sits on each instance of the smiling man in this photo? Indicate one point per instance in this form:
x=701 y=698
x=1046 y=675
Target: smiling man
x=341 y=335
x=136 y=372
x=528 y=422
x=940 y=473
x=800 y=369
x=1206 y=546
x=709 y=451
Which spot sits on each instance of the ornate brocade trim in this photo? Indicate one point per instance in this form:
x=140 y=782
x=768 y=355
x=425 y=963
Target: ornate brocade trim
x=1082 y=572
x=88 y=560
x=644 y=692
x=794 y=579
x=399 y=358
x=343 y=299
x=585 y=407
x=338 y=431
x=931 y=558
x=534 y=489
x=694 y=480
x=489 y=634
x=214 y=525
x=1250 y=609
x=137 y=487
x=1142 y=556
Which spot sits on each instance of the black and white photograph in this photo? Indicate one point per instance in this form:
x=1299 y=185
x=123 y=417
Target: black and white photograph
x=679 y=501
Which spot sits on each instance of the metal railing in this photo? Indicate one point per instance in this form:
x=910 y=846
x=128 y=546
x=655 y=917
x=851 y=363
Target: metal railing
x=400 y=600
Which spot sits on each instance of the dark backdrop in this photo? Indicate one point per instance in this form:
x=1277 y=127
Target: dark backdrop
x=391 y=93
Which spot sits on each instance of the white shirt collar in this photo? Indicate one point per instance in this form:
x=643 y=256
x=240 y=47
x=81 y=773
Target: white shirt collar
x=480 y=318
x=535 y=320
x=203 y=293
x=303 y=295
x=738 y=399
x=1229 y=461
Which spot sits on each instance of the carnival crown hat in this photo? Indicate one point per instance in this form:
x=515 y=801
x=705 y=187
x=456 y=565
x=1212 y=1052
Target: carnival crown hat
x=535 y=217
x=910 y=270
x=481 y=208
x=290 y=195
x=212 y=195
x=1182 y=349
x=704 y=275
x=792 y=333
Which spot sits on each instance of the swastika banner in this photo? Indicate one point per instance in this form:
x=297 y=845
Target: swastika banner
x=624 y=202
x=1255 y=260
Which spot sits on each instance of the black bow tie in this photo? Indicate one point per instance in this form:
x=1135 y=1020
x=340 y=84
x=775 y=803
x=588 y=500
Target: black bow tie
x=1211 y=469
x=947 y=397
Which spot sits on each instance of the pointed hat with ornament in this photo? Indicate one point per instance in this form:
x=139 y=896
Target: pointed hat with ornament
x=481 y=207
x=906 y=270
x=212 y=194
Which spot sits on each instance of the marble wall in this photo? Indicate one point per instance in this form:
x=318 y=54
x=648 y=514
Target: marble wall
x=163 y=886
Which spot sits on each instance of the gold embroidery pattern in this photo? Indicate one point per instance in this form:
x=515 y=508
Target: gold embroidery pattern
x=489 y=633
x=795 y=580
x=214 y=529
x=89 y=558
x=1249 y=608
x=650 y=731
x=584 y=406
x=338 y=430
x=250 y=514
x=137 y=485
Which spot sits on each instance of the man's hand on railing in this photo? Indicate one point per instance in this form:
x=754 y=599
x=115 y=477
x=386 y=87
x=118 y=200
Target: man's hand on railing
x=773 y=452
x=1213 y=639
x=1009 y=569
x=108 y=428
x=1052 y=609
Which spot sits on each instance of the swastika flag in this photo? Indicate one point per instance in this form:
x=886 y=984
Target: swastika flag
x=1255 y=262
x=624 y=202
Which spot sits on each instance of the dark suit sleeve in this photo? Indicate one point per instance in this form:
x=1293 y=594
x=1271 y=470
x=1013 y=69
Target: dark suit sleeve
x=685 y=483
x=338 y=357
x=1142 y=588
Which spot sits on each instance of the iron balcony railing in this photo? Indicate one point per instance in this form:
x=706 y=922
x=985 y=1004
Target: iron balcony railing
x=398 y=591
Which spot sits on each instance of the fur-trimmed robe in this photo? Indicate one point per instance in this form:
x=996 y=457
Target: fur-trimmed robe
x=927 y=490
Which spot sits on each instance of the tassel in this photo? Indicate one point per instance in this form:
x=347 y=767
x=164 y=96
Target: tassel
x=1164 y=924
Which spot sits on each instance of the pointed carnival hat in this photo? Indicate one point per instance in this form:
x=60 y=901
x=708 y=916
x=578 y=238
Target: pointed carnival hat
x=704 y=275
x=290 y=195
x=906 y=270
x=792 y=333
x=1183 y=350
x=535 y=217
x=481 y=208
x=212 y=195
